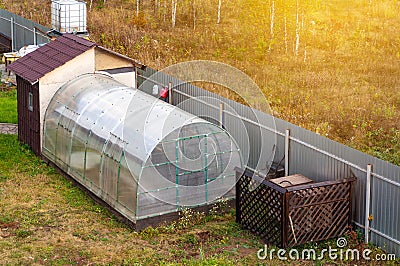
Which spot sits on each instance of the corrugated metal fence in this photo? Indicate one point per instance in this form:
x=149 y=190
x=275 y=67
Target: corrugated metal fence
x=21 y=31
x=308 y=153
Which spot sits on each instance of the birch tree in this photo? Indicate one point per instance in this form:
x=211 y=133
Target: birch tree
x=285 y=39
x=173 y=13
x=194 y=14
x=304 y=38
x=137 y=7
x=297 y=29
x=219 y=11
x=165 y=11
x=272 y=19
x=272 y=22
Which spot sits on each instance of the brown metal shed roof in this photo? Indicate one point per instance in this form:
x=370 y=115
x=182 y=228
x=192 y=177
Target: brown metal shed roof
x=45 y=59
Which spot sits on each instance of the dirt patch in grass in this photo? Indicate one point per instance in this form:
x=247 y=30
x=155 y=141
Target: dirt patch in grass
x=6 y=226
x=7 y=87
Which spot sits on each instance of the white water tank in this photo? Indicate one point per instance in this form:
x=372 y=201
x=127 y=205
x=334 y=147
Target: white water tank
x=68 y=16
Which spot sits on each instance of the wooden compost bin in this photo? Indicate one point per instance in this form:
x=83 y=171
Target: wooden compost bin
x=293 y=210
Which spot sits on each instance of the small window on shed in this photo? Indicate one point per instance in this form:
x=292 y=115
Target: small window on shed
x=30 y=101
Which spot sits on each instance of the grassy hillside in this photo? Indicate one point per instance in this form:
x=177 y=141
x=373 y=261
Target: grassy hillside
x=329 y=66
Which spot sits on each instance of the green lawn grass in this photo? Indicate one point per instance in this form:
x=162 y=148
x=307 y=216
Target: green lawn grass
x=8 y=105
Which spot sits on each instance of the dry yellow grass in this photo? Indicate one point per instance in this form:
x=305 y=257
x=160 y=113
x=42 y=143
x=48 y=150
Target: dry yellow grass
x=342 y=82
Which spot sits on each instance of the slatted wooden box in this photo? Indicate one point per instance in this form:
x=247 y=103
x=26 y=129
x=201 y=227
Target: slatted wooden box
x=293 y=210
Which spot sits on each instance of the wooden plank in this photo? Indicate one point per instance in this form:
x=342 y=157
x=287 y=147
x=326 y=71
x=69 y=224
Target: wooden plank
x=28 y=121
x=291 y=180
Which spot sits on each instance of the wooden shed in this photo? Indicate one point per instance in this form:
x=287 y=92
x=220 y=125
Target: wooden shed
x=42 y=72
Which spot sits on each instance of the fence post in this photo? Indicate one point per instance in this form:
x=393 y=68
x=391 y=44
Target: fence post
x=367 y=202
x=287 y=144
x=239 y=176
x=136 y=82
x=221 y=115
x=34 y=36
x=12 y=34
x=170 y=93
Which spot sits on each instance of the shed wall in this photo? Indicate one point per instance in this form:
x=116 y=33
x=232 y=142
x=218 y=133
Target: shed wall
x=126 y=75
x=106 y=60
x=126 y=78
x=122 y=69
x=28 y=119
x=52 y=81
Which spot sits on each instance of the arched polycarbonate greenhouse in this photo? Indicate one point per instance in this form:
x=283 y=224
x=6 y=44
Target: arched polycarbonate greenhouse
x=142 y=156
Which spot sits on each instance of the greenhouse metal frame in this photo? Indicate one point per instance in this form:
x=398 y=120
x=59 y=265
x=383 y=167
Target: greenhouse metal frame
x=141 y=156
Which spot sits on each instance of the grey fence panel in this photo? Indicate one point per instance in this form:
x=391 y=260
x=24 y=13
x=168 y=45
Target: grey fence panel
x=204 y=103
x=5 y=25
x=317 y=157
x=23 y=30
x=385 y=207
x=330 y=160
x=323 y=159
x=386 y=215
x=310 y=154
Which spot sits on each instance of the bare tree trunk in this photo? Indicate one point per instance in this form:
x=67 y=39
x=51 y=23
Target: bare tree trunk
x=90 y=6
x=272 y=18
x=219 y=11
x=165 y=11
x=137 y=7
x=194 y=14
x=297 y=29
x=272 y=24
x=285 y=34
x=173 y=5
x=305 y=36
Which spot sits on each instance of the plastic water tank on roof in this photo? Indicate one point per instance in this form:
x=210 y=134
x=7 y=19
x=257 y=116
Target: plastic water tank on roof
x=141 y=155
x=68 y=16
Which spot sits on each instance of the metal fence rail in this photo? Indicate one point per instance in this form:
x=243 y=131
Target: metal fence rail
x=376 y=192
x=21 y=31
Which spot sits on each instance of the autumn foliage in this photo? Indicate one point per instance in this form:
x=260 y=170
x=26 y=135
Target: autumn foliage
x=329 y=66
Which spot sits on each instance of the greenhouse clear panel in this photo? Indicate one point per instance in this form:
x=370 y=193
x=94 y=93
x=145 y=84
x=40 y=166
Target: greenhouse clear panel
x=140 y=155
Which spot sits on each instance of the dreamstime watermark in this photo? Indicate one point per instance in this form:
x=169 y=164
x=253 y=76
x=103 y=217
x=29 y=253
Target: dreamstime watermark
x=340 y=252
